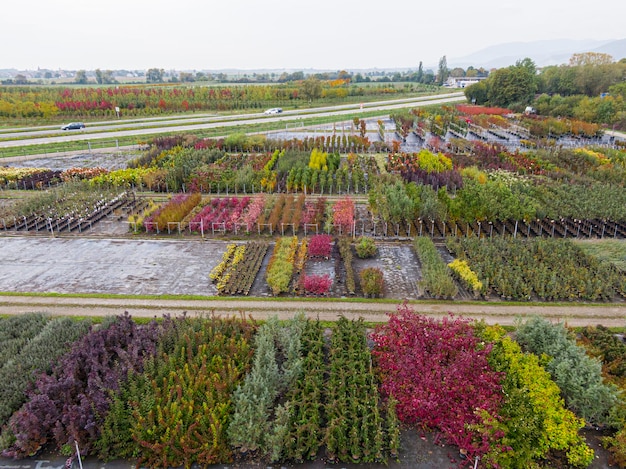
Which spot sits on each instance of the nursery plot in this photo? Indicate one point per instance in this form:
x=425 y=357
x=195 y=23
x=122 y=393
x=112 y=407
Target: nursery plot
x=259 y=286
x=72 y=265
x=400 y=270
x=329 y=268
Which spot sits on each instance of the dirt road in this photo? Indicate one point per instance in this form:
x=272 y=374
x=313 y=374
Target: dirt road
x=610 y=315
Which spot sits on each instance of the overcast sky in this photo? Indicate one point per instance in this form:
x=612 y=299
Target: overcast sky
x=284 y=34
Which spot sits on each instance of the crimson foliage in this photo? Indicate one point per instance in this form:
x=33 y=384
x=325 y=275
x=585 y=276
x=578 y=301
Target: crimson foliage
x=70 y=404
x=320 y=245
x=317 y=284
x=438 y=372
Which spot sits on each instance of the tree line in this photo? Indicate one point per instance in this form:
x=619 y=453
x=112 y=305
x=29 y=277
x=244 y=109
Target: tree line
x=590 y=87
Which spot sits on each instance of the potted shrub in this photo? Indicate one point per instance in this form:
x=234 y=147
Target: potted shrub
x=366 y=248
x=317 y=284
x=372 y=282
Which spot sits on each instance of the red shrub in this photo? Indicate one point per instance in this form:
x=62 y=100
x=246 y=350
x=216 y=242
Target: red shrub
x=438 y=372
x=317 y=284
x=320 y=245
x=476 y=110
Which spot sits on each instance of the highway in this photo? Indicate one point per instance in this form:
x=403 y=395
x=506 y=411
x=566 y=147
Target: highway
x=188 y=123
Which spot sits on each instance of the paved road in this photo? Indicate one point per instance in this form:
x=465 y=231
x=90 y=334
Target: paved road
x=107 y=130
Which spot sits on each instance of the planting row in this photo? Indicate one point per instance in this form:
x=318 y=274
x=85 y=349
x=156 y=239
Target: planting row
x=390 y=213
x=235 y=274
x=261 y=214
x=287 y=270
x=182 y=391
x=73 y=207
x=43 y=178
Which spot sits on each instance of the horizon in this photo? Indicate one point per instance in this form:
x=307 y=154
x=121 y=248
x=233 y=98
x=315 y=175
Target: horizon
x=454 y=62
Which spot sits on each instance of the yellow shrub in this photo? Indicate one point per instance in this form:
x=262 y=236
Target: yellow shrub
x=467 y=275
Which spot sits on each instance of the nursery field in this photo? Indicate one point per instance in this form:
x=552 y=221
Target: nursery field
x=334 y=215
x=381 y=275
x=299 y=393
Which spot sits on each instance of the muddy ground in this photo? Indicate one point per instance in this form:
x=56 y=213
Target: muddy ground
x=157 y=266
x=418 y=451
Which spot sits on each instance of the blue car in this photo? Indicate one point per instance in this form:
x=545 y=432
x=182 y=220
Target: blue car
x=73 y=126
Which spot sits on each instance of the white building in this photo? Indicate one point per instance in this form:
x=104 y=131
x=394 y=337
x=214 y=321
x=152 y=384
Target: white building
x=461 y=82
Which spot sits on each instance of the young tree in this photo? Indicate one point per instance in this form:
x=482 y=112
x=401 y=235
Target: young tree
x=443 y=72
x=457 y=72
x=312 y=88
x=420 y=73
x=105 y=77
x=590 y=58
x=478 y=93
x=186 y=77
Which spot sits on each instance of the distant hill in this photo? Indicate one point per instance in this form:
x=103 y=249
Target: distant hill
x=543 y=53
x=8 y=72
x=615 y=48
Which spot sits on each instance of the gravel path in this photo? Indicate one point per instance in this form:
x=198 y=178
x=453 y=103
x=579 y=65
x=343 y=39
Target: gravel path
x=498 y=313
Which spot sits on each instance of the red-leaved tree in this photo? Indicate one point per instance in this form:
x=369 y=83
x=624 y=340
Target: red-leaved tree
x=438 y=372
x=343 y=215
